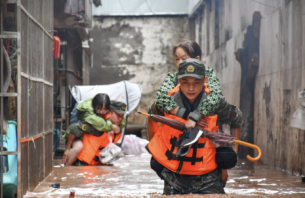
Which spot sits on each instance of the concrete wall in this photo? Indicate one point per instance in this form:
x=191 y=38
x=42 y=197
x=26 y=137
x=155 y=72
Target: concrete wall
x=281 y=72
x=138 y=49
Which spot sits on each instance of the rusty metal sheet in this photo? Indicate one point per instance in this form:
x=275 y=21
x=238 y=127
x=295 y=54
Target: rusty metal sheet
x=48 y=59
x=37 y=98
x=24 y=107
x=36 y=45
x=36 y=169
x=24 y=44
x=33 y=109
x=40 y=106
x=35 y=50
x=24 y=167
x=48 y=154
x=31 y=39
x=48 y=108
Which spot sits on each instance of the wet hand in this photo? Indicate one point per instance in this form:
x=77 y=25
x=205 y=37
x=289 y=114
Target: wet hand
x=65 y=156
x=111 y=132
x=235 y=147
x=190 y=124
x=202 y=123
x=116 y=129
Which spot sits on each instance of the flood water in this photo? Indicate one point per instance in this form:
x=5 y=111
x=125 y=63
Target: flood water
x=131 y=176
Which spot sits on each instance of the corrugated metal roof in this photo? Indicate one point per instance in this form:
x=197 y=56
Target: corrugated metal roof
x=142 y=7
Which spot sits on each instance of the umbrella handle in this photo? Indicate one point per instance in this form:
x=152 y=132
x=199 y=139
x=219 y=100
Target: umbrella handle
x=146 y=114
x=259 y=151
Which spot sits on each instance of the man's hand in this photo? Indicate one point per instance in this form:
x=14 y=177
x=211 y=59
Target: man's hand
x=236 y=132
x=235 y=147
x=190 y=124
x=116 y=129
x=224 y=175
x=202 y=122
x=174 y=111
x=65 y=156
x=111 y=132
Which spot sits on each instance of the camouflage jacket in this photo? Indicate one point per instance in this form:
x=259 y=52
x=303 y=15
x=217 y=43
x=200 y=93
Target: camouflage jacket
x=206 y=107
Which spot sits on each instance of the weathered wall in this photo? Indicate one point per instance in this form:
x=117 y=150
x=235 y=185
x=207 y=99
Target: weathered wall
x=36 y=65
x=280 y=78
x=138 y=49
x=281 y=69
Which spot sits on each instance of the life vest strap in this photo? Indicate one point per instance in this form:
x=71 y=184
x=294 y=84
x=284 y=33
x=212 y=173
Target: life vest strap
x=171 y=156
x=175 y=143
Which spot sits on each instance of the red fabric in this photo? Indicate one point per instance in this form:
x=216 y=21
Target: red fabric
x=56 y=47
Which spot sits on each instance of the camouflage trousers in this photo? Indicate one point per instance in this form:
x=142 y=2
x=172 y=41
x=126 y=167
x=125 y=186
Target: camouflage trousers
x=210 y=183
x=81 y=127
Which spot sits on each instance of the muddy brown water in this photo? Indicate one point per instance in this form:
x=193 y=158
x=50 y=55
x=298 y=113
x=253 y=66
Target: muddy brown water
x=131 y=176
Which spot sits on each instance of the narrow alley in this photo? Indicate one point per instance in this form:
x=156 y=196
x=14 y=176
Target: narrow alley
x=152 y=98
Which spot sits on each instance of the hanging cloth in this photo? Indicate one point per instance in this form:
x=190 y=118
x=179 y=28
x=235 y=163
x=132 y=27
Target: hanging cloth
x=56 y=47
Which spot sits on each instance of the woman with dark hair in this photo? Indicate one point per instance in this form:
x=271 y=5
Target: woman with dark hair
x=93 y=118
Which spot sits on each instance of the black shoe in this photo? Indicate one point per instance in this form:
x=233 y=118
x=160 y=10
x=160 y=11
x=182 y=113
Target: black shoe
x=190 y=136
x=183 y=151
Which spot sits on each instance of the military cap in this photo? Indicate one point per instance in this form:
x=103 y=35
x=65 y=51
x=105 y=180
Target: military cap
x=191 y=67
x=118 y=107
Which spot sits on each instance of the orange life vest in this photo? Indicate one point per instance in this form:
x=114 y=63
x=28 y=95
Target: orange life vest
x=164 y=145
x=154 y=125
x=92 y=146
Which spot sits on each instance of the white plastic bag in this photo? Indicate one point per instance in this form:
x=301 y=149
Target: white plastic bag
x=133 y=145
x=109 y=152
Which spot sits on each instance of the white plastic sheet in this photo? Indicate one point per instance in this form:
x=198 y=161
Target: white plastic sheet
x=116 y=91
x=133 y=145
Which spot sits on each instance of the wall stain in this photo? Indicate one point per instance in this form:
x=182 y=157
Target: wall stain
x=267 y=97
x=117 y=44
x=286 y=106
x=269 y=137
